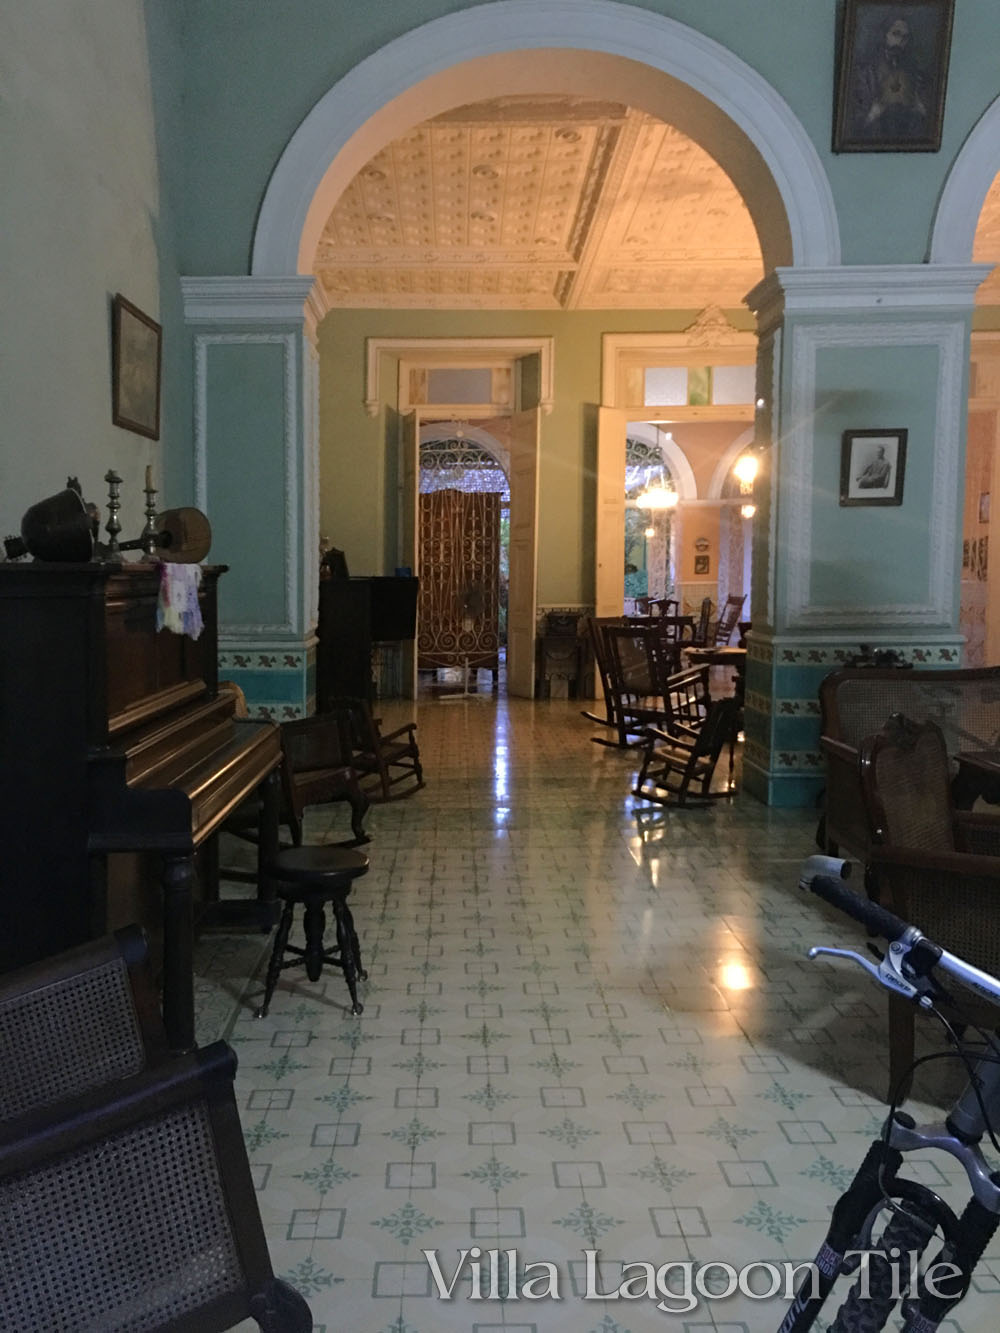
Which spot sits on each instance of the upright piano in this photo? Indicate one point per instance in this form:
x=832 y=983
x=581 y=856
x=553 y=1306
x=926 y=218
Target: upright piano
x=120 y=759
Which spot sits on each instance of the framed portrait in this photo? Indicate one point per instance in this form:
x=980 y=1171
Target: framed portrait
x=701 y=564
x=871 y=467
x=892 y=72
x=135 y=369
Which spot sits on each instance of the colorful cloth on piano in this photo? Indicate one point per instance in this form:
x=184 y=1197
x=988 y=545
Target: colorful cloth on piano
x=177 y=608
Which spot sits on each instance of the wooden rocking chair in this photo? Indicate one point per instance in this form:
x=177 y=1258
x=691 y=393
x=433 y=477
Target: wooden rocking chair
x=388 y=763
x=683 y=759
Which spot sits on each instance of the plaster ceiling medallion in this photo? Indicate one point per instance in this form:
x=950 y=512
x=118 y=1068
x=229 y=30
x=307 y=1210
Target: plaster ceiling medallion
x=534 y=202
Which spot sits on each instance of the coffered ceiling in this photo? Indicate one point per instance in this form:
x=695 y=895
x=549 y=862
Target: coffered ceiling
x=551 y=203
x=548 y=203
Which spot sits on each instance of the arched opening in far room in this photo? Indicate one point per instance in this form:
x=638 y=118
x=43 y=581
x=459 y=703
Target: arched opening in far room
x=517 y=50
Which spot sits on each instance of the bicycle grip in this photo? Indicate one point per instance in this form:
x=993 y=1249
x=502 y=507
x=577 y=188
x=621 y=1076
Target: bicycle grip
x=873 y=917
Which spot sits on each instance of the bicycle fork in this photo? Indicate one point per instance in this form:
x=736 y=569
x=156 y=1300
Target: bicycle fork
x=850 y=1213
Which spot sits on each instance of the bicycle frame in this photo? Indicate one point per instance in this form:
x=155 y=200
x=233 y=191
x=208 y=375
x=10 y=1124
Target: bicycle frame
x=959 y=1134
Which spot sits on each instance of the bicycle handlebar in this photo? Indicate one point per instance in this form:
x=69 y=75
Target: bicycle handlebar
x=874 y=917
x=825 y=875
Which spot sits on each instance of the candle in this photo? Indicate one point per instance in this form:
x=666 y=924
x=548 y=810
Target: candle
x=149 y=476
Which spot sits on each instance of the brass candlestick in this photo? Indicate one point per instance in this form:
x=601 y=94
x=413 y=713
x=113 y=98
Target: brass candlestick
x=113 y=527
x=149 y=537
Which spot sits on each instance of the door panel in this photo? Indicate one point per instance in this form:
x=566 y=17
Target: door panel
x=609 y=537
x=523 y=553
x=408 y=544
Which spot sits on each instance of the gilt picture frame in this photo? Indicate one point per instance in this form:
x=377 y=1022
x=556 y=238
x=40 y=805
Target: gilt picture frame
x=872 y=463
x=892 y=75
x=136 y=349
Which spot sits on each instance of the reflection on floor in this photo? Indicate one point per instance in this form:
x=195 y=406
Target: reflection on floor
x=587 y=1027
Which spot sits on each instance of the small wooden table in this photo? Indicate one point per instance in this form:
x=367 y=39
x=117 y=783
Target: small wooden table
x=726 y=657
x=722 y=657
x=978 y=775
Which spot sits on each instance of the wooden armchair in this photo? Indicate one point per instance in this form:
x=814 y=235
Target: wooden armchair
x=319 y=770
x=679 y=765
x=125 y=1190
x=82 y=1020
x=387 y=763
x=934 y=866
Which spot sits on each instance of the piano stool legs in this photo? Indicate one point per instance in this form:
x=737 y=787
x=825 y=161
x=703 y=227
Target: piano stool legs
x=316 y=876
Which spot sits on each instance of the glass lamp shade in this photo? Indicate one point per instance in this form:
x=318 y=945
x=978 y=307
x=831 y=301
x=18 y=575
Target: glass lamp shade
x=657 y=497
x=745 y=469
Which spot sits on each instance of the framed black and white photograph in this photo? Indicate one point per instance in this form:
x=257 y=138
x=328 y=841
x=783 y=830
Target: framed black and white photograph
x=871 y=467
x=135 y=369
x=892 y=73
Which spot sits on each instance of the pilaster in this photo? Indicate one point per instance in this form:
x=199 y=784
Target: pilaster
x=851 y=349
x=256 y=466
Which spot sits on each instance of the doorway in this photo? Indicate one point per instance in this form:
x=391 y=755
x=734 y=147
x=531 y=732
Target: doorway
x=464 y=556
x=462 y=626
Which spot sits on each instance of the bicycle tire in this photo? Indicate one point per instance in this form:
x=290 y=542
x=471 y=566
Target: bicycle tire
x=904 y=1232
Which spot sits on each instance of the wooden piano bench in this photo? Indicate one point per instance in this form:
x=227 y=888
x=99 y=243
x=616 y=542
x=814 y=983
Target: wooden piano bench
x=315 y=876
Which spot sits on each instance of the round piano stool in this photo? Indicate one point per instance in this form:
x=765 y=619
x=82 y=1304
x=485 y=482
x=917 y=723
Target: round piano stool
x=315 y=876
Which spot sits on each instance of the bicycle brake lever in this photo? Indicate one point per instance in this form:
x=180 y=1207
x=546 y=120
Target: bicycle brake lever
x=886 y=973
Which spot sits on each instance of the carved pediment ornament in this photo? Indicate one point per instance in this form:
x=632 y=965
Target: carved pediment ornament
x=713 y=329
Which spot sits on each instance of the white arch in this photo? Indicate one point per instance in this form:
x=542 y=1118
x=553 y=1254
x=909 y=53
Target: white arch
x=674 y=456
x=971 y=175
x=511 y=45
x=445 y=430
x=725 y=464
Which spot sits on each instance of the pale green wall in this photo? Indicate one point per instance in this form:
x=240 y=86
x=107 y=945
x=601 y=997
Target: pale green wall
x=357 y=483
x=246 y=483
x=855 y=551
x=88 y=150
x=255 y=68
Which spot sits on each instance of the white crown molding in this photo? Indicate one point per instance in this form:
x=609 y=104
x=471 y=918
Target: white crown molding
x=314 y=168
x=253 y=300
x=965 y=190
x=862 y=287
x=445 y=352
x=289 y=342
x=795 y=533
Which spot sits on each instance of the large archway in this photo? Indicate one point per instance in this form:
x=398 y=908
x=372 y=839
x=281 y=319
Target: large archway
x=652 y=62
x=965 y=190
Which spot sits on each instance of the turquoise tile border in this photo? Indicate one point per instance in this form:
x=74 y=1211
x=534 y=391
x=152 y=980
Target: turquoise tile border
x=279 y=684
x=784 y=765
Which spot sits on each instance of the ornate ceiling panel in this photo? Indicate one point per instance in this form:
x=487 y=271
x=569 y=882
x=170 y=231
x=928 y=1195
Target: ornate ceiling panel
x=540 y=203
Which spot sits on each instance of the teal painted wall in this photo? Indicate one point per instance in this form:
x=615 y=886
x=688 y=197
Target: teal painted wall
x=872 y=556
x=255 y=68
x=91 y=166
x=245 y=480
x=358 y=468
